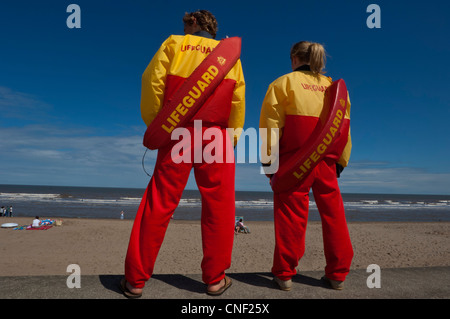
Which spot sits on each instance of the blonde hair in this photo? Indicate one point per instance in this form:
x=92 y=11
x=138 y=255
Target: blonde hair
x=205 y=20
x=311 y=53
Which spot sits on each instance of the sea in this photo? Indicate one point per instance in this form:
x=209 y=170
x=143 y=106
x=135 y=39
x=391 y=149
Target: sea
x=95 y=202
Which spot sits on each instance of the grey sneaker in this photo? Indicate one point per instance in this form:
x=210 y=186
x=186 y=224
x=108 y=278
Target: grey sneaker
x=283 y=284
x=335 y=284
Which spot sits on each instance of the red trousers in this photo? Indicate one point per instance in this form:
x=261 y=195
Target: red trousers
x=291 y=215
x=215 y=182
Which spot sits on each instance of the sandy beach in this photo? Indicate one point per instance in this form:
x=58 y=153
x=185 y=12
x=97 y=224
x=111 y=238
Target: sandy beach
x=99 y=246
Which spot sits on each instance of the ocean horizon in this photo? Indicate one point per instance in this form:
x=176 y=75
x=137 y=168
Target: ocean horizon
x=108 y=202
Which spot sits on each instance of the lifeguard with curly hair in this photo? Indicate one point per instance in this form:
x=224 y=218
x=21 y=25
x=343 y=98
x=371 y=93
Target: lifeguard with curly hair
x=173 y=64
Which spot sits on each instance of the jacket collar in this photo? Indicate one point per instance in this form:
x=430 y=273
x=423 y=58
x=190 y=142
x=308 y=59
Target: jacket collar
x=203 y=33
x=304 y=67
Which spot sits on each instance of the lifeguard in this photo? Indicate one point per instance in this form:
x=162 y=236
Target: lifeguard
x=295 y=104
x=178 y=89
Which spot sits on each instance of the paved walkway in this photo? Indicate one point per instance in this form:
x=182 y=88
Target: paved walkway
x=403 y=283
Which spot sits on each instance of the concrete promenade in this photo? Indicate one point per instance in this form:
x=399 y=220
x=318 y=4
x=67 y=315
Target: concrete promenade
x=399 y=283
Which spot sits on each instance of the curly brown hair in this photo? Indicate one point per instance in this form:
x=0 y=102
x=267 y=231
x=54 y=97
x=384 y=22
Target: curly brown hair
x=205 y=20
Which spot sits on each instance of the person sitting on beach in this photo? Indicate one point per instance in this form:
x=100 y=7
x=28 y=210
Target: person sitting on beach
x=36 y=222
x=240 y=226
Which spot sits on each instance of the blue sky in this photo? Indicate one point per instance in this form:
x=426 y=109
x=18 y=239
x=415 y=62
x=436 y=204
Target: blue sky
x=69 y=98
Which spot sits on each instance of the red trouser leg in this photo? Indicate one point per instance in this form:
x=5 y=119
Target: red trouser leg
x=216 y=185
x=336 y=239
x=215 y=182
x=160 y=200
x=291 y=214
x=290 y=220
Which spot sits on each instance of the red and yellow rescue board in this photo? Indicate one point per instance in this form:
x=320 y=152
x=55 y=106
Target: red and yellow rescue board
x=297 y=167
x=193 y=93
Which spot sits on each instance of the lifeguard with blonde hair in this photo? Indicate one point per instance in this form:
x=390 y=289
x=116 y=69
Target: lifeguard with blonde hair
x=294 y=104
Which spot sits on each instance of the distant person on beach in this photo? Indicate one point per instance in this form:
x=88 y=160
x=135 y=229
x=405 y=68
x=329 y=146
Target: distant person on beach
x=240 y=226
x=2 y=211
x=174 y=62
x=294 y=107
x=9 y=212
x=36 y=222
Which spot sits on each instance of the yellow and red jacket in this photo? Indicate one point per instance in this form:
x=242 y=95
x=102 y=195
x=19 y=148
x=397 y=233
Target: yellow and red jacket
x=294 y=104
x=175 y=60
